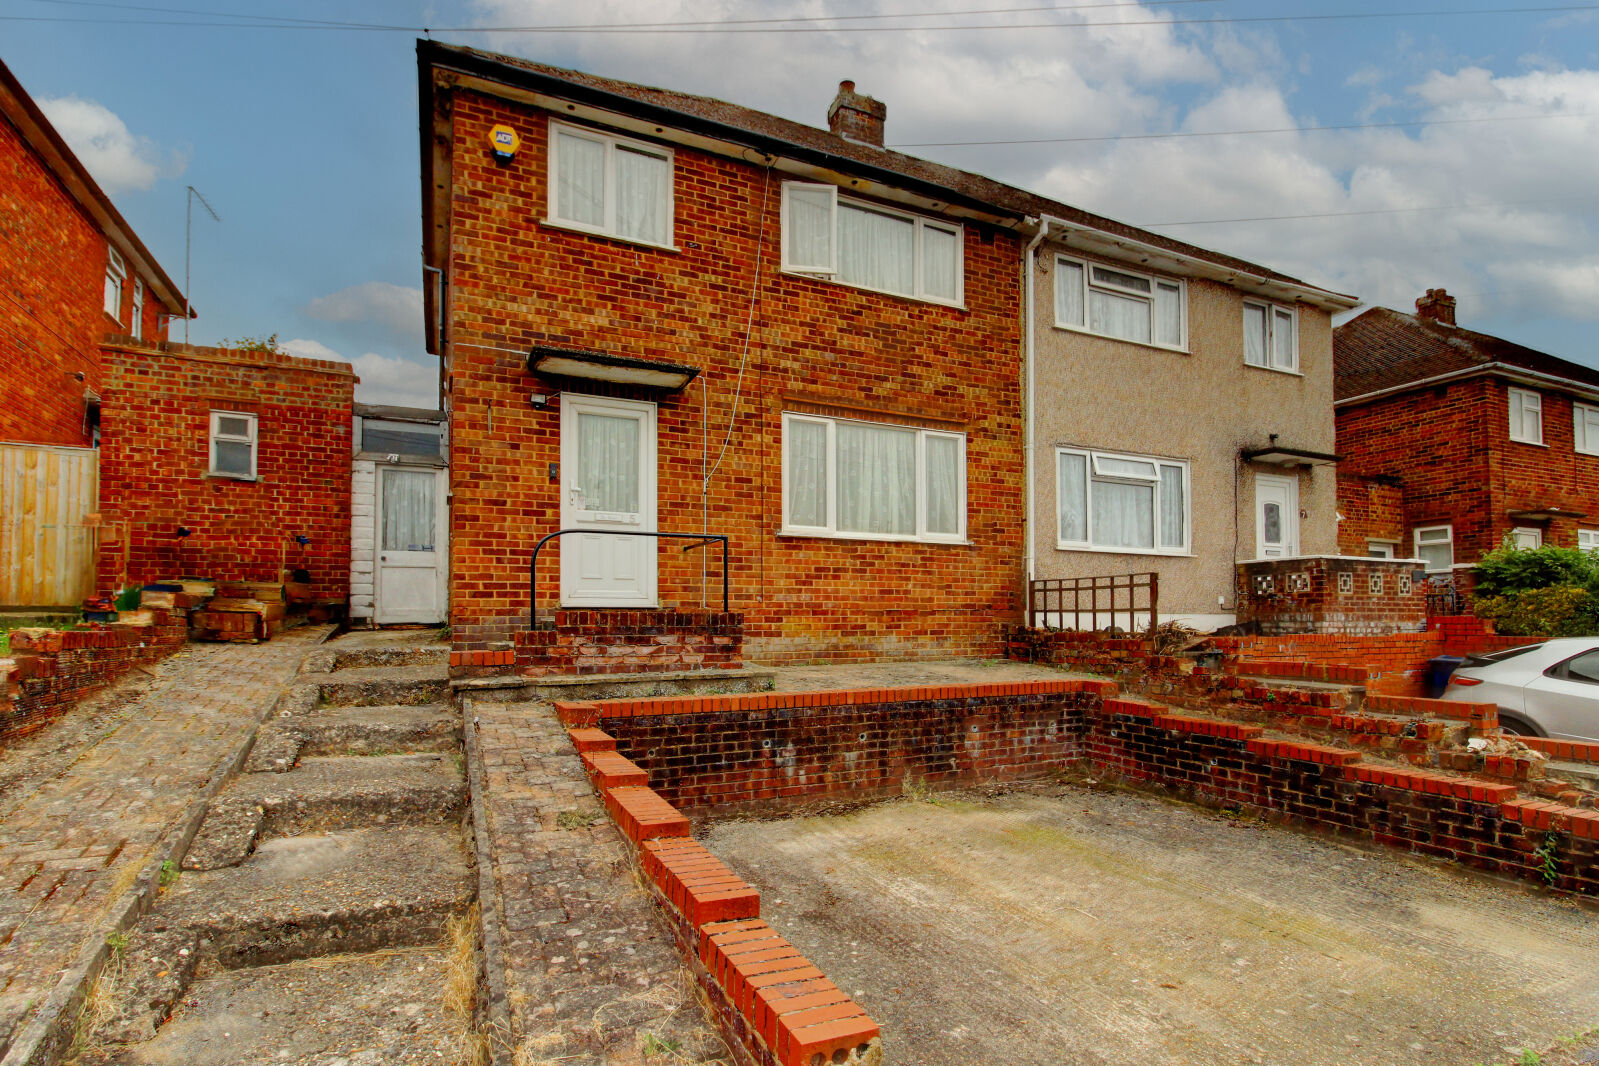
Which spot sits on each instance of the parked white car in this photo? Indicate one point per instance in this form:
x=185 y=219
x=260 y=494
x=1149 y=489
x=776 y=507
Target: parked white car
x=1543 y=690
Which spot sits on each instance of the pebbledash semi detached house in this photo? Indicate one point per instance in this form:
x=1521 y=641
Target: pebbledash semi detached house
x=664 y=314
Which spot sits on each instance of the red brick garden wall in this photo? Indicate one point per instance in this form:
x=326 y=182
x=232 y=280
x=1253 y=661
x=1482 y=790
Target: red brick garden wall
x=155 y=461
x=815 y=346
x=1322 y=594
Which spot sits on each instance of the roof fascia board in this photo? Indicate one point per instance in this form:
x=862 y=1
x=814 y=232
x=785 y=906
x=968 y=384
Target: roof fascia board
x=1504 y=370
x=64 y=164
x=1126 y=249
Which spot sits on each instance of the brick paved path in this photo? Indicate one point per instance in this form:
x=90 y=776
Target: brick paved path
x=591 y=971
x=70 y=846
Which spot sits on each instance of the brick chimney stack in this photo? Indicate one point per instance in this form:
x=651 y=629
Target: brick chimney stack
x=1438 y=306
x=855 y=117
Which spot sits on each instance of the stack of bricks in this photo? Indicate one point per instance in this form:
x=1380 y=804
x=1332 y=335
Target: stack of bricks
x=54 y=668
x=590 y=642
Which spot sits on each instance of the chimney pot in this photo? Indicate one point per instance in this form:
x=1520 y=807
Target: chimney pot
x=1437 y=306
x=855 y=117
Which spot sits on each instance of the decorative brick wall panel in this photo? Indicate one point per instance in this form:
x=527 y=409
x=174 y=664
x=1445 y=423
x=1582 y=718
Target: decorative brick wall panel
x=588 y=642
x=155 y=458
x=53 y=260
x=55 y=668
x=1336 y=594
x=516 y=282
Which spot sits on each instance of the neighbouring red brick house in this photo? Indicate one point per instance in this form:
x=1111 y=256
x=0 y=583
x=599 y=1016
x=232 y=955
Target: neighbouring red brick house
x=72 y=272
x=1452 y=441
x=247 y=451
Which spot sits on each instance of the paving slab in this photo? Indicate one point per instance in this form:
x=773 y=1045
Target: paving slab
x=1061 y=925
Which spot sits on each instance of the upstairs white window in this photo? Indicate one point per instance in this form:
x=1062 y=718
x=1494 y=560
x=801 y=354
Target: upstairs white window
x=1435 y=546
x=610 y=185
x=1526 y=416
x=871 y=247
x=233 y=444
x=116 y=272
x=865 y=480
x=1124 y=503
x=1119 y=303
x=1271 y=337
x=137 y=326
x=1585 y=428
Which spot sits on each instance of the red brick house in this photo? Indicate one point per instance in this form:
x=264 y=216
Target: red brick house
x=659 y=312
x=1453 y=441
x=72 y=272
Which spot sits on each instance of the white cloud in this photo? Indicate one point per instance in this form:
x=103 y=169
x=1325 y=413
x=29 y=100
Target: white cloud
x=395 y=307
x=385 y=379
x=118 y=159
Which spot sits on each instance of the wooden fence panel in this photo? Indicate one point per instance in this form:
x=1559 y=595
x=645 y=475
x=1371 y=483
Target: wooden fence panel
x=49 y=499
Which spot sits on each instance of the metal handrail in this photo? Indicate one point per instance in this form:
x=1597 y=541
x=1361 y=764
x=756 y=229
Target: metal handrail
x=700 y=539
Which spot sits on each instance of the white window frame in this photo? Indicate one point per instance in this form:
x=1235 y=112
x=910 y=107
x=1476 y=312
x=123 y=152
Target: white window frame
x=611 y=142
x=1526 y=538
x=116 y=273
x=830 y=270
x=1587 y=539
x=1089 y=285
x=138 y=309
x=1585 y=428
x=252 y=439
x=1091 y=456
x=1382 y=549
x=1522 y=404
x=1272 y=311
x=830 y=529
x=1449 y=539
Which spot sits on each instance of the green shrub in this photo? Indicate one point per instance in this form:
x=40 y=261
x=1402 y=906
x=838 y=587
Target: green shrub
x=1508 y=569
x=1564 y=611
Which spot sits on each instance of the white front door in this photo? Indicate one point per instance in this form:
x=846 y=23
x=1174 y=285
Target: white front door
x=411 y=528
x=1276 y=516
x=607 y=484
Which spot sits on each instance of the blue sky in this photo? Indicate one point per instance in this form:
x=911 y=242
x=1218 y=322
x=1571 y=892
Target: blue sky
x=305 y=140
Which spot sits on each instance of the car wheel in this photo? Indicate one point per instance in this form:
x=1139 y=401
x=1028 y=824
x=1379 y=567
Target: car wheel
x=1517 y=727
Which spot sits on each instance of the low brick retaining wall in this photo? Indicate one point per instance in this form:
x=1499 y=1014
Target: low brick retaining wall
x=593 y=642
x=52 y=668
x=1564 y=750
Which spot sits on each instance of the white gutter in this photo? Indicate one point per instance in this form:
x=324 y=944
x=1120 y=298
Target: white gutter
x=1515 y=373
x=1029 y=393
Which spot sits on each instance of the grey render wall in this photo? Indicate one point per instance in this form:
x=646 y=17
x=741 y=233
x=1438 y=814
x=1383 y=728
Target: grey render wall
x=1203 y=407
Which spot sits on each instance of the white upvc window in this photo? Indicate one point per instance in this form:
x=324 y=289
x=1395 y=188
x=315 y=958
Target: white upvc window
x=1108 y=501
x=1382 y=549
x=1113 y=302
x=233 y=444
x=1526 y=416
x=1435 y=546
x=1271 y=336
x=1587 y=539
x=1526 y=538
x=1585 y=428
x=871 y=247
x=116 y=272
x=872 y=481
x=610 y=185
x=137 y=326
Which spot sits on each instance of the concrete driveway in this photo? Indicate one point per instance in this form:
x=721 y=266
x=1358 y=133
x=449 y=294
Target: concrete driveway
x=1062 y=925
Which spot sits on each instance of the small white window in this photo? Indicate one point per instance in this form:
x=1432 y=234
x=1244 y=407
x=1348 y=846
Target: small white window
x=116 y=272
x=1435 y=546
x=610 y=185
x=1585 y=428
x=1382 y=549
x=233 y=444
x=1118 y=303
x=1526 y=416
x=1123 y=503
x=1271 y=336
x=1526 y=537
x=137 y=326
x=1587 y=539
x=870 y=246
x=870 y=481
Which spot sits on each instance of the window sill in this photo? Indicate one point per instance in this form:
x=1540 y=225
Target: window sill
x=1150 y=345
x=825 y=279
x=807 y=534
x=1064 y=547
x=1275 y=370
x=1529 y=443
x=595 y=231
x=214 y=475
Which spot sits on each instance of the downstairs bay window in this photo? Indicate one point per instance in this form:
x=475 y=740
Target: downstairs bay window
x=870 y=481
x=1113 y=502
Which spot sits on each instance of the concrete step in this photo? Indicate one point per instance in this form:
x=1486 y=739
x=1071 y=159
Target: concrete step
x=324 y=793
x=376 y=686
x=337 y=659
x=380 y=730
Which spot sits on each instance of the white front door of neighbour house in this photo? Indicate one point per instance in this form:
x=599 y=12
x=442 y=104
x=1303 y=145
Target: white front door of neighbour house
x=411 y=529
x=1276 y=516
x=607 y=487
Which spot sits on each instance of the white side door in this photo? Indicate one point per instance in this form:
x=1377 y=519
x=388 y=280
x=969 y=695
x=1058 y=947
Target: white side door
x=1276 y=516
x=411 y=531
x=607 y=484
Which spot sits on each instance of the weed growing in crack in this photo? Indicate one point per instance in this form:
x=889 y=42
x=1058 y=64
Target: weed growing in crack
x=1548 y=867
x=169 y=873
x=574 y=820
